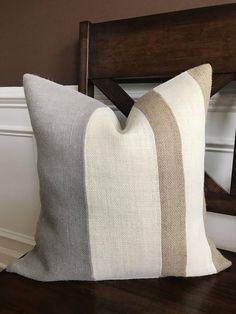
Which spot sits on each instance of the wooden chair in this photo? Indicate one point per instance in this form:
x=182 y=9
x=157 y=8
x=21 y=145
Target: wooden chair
x=144 y=49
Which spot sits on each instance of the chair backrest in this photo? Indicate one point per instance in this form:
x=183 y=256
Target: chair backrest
x=155 y=48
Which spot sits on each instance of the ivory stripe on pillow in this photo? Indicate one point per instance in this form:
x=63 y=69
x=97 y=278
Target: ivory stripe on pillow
x=172 y=195
x=122 y=185
x=202 y=75
x=198 y=250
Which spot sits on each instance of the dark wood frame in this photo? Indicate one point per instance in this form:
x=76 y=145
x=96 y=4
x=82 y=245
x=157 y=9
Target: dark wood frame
x=155 y=48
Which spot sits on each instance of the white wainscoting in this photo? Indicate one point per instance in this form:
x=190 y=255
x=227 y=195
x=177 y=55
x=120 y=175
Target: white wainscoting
x=19 y=190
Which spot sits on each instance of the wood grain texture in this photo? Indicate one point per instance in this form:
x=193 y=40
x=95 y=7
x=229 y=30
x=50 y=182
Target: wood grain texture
x=218 y=200
x=165 y=44
x=221 y=80
x=210 y=294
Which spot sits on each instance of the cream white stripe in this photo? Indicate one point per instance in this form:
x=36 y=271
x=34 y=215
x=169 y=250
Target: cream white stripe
x=123 y=196
x=190 y=103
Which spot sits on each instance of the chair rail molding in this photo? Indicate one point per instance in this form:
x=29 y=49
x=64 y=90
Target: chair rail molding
x=19 y=182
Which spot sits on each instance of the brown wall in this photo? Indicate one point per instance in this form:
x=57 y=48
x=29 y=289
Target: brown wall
x=41 y=36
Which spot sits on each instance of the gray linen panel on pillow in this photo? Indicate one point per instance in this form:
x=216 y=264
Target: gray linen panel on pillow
x=120 y=203
x=59 y=116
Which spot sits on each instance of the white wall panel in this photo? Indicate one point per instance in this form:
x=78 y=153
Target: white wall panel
x=19 y=205
x=222 y=229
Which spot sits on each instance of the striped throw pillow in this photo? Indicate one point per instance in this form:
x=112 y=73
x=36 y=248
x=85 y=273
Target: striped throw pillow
x=120 y=203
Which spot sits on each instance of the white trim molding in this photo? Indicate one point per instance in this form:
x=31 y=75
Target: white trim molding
x=9 y=252
x=17 y=245
x=16 y=130
x=218 y=145
x=219 y=148
x=16 y=236
x=12 y=97
x=2 y=266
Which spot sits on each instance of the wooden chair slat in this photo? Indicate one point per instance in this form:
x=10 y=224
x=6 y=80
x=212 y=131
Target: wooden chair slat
x=217 y=198
x=233 y=179
x=164 y=44
x=221 y=80
x=116 y=94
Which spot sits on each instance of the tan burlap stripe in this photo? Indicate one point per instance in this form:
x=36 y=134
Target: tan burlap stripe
x=204 y=80
x=171 y=181
x=218 y=259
